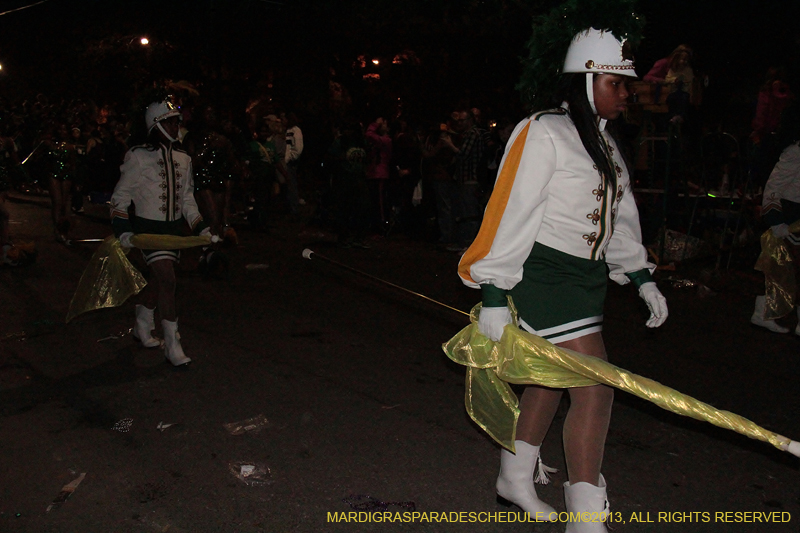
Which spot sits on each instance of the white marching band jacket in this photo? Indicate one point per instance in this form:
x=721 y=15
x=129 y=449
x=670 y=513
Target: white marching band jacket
x=783 y=184
x=159 y=183
x=548 y=190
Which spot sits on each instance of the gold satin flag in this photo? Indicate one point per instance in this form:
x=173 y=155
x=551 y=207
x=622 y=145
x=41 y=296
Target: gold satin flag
x=526 y=359
x=110 y=279
x=778 y=267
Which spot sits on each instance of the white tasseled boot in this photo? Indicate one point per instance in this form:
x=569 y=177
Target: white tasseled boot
x=515 y=482
x=145 y=324
x=759 y=320
x=172 y=344
x=588 y=503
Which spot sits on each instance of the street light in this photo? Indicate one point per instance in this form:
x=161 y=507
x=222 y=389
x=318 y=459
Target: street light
x=145 y=41
x=375 y=61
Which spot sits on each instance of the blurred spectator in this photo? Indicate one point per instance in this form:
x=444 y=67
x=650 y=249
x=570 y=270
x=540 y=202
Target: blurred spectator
x=215 y=168
x=294 y=149
x=379 y=156
x=278 y=139
x=261 y=160
x=438 y=160
x=81 y=170
x=347 y=157
x=469 y=159
x=62 y=160
x=678 y=62
x=407 y=154
x=774 y=96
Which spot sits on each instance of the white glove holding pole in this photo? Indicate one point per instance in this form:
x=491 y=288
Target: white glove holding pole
x=125 y=239
x=207 y=233
x=492 y=320
x=780 y=230
x=655 y=302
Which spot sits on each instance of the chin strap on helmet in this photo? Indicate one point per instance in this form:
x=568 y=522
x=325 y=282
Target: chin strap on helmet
x=167 y=135
x=601 y=122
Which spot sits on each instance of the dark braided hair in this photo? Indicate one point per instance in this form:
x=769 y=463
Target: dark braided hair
x=572 y=89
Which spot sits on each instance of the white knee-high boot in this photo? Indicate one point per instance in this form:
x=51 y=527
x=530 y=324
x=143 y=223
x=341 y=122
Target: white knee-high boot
x=145 y=324
x=588 y=504
x=172 y=344
x=515 y=482
x=759 y=320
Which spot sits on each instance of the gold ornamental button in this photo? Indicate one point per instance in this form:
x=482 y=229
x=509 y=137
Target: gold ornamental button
x=589 y=64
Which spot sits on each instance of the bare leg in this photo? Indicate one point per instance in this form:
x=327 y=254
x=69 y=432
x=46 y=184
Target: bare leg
x=164 y=273
x=538 y=407
x=149 y=295
x=587 y=422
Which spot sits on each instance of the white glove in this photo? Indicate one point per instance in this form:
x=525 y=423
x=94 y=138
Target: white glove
x=781 y=231
x=492 y=320
x=655 y=302
x=207 y=233
x=125 y=239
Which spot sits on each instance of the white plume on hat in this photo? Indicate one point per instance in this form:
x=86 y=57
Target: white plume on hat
x=598 y=52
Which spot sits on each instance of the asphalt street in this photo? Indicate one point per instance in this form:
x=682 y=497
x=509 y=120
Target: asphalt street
x=363 y=410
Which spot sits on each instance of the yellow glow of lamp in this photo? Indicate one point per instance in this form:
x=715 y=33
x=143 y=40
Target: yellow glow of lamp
x=145 y=41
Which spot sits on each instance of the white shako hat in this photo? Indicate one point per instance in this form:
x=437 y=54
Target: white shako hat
x=595 y=51
x=158 y=111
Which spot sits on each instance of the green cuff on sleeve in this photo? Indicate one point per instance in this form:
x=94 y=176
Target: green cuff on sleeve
x=493 y=297
x=121 y=225
x=200 y=226
x=640 y=277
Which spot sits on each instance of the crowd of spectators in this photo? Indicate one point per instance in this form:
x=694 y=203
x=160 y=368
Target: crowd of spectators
x=364 y=174
x=429 y=178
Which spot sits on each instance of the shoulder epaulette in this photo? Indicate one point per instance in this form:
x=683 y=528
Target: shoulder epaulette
x=556 y=111
x=147 y=147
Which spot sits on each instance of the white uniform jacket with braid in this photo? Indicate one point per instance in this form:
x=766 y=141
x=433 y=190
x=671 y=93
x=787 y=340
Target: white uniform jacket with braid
x=159 y=183
x=548 y=190
x=783 y=184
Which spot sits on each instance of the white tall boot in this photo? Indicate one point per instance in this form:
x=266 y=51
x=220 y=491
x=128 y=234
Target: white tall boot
x=759 y=320
x=589 y=499
x=515 y=482
x=172 y=344
x=145 y=324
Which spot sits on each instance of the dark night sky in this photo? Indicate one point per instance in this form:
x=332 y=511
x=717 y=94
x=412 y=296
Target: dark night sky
x=475 y=49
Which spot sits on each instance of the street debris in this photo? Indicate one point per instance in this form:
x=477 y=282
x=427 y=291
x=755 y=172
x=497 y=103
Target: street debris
x=251 y=474
x=66 y=492
x=678 y=283
x=21 y=336
x=123 y=426
x=163 y=425
x=681 y=283
x=251 y=425
x=363 y=502
x=117 y=336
